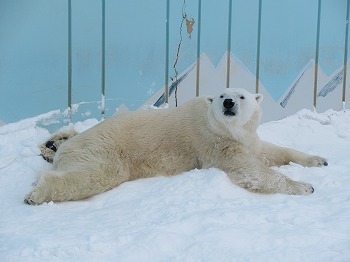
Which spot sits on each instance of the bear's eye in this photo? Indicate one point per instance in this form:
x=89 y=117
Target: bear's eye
x=221 y=96
x=242 y=97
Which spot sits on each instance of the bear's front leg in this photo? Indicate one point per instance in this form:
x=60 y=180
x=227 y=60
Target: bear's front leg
x=274 y=155
x=256 y=177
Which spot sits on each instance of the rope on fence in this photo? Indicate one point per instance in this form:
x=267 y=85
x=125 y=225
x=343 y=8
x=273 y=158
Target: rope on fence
x=189 y=27
x=184 y=16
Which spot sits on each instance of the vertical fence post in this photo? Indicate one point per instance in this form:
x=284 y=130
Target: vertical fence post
x=257 y=72
x=198 y=45
x=346 y=52
x=229 y=44
x=317 y=51
x=103 y=62
x=69 y=60
x=167 y=53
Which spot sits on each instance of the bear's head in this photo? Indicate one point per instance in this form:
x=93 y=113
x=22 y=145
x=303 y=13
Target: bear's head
x=235 y=108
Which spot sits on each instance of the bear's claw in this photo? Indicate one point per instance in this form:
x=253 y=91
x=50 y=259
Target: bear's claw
x=28 y=201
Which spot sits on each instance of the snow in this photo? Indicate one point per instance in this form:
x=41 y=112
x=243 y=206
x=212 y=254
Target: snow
x=196 y=216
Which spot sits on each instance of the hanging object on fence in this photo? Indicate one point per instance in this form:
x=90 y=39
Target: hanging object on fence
x=189 y=26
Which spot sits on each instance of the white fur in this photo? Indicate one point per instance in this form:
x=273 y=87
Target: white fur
x=168 y=142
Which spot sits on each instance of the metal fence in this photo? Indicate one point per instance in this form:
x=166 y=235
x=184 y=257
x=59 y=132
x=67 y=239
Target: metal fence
x=171 y=84
x=229 y=24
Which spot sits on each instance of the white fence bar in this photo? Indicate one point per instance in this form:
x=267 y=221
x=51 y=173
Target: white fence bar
x=69 y=60
x=103 y=62
x=229 y=44
x=198 y=45
x=345 y=52
x=258 y=50
x=167 y=53
x=317 y=51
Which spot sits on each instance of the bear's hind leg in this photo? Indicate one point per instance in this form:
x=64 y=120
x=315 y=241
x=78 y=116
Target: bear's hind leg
x=72 y=185
x=44 y=187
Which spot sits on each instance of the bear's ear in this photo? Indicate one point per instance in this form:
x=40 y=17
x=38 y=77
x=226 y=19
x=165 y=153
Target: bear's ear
x=209 y=100
x=259 y=98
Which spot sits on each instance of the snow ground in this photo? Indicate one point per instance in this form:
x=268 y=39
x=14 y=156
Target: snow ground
x=196 y=216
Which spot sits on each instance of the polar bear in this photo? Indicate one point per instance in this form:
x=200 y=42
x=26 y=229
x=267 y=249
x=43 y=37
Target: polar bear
x=206 y=132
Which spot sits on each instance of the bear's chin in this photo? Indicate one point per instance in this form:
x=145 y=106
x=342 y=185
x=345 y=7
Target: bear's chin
x=230 y=113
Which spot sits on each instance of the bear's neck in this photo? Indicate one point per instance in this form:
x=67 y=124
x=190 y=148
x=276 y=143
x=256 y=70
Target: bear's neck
x=245 y=137
x=245 y=134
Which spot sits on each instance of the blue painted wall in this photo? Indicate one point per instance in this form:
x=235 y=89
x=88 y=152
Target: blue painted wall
x=33 y=48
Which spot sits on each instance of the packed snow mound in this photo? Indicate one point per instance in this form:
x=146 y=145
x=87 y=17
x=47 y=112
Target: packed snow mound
x=197 y=216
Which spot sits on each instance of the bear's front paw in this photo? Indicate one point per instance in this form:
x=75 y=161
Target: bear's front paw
x=315 y=161
x=33 y=198
x=299 y=188
x=306 y=189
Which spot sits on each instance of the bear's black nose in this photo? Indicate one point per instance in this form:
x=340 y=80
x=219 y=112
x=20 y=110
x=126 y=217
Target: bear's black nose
x=228 y=103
